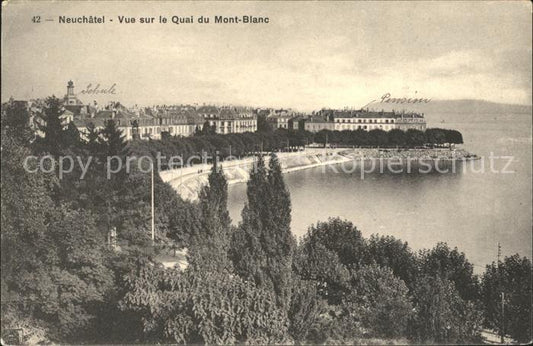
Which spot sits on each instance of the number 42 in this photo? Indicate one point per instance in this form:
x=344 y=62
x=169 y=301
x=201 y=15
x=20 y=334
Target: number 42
x=36 y=19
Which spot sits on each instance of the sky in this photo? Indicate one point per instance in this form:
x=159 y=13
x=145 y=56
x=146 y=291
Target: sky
x=310 y=55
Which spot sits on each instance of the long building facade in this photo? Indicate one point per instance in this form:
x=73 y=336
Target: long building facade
x=157 y=121
x=229 y=119
x=341 y=120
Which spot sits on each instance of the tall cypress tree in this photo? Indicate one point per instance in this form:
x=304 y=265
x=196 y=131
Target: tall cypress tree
x=71 y=136
x=92 y=144
x=210 y=245
x=53 y=141
x=112 y=140
x=114 y=189
x=263 y=246
x=280 y=243
x=246 y=251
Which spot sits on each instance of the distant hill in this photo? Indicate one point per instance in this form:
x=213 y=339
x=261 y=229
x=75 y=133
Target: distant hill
x=456 y=106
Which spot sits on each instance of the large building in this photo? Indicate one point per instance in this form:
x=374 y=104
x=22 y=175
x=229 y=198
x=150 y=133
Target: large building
x=229 y=119
x=318 y=123
x=341 y=120
x=280 y=118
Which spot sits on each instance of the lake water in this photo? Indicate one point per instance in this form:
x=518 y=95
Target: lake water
x=473 y=211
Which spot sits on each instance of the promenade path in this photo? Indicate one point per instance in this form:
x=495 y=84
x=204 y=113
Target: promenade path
x=187 y=181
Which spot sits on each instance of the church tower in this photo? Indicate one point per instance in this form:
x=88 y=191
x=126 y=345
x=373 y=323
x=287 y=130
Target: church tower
x=70 y=97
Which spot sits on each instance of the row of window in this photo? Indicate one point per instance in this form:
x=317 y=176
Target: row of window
x=364 y=127
x=412 y=120
x=215 y=116
x=318 y=127
x=186 y=129
x=366 y=121
x=172 y=121
x=237 y=122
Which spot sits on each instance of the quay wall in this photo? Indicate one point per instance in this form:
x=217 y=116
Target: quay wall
x=188 y=181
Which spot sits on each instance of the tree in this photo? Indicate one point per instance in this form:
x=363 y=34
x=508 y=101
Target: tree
x=15 y=121
x=397 y=137
x=246 y=251
x=93 y=144
x=80 y=275
x=26 y=211
x=71 y=136
x=111 y=141
x=262 y=246
x=262 y=124
x=513 y=278
x=305 y=309
x=435 y=136
x=326 y=252
x=210 y=245
x=53 y=263
x=451 y=265
x=379 y=300
x=280 y=243
x=454 y=137
x=441 y=315
x=314 y=262
x=339 y=236
x=207 y=129
x=415 y=137
x=200 y=307
x=387 y=251
x=52 y=127
x=183 y=218
x=112 y=155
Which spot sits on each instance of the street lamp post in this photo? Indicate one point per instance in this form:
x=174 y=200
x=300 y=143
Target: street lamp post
x=153 y=209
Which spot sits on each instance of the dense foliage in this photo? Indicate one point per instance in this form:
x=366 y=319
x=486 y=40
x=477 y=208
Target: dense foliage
x=263 y=245
x=209 y=244
x=512 y=277
x=201 y=307
x=441 y=314
x=65 y=279
x=207 y=144
x=392 y=138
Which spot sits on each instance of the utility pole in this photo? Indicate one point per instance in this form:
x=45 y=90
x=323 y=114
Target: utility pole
x=153 y=209
x=502 y=327
x=502 y=322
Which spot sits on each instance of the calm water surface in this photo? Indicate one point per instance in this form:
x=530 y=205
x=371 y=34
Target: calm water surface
x=473 y=211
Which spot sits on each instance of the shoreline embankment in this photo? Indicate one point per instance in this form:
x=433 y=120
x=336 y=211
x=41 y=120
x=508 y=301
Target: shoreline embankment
x=188 y=181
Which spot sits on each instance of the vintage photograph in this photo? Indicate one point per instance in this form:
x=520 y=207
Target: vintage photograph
x=266 y=172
